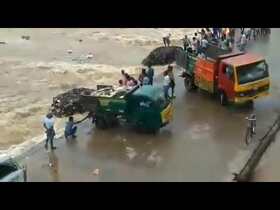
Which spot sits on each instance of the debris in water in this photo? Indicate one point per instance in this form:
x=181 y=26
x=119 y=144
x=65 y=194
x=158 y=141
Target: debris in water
x=89 y=56
x=3 y=43
x=154 y=158
x=96 y=172
x=80 y=40
x=130 y=152
x=124 y=140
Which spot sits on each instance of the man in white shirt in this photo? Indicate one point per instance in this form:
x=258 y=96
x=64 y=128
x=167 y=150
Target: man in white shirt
x=166 y=84
x=194 y=45
x=243 y=42
x=204 y=45
x=48 y=123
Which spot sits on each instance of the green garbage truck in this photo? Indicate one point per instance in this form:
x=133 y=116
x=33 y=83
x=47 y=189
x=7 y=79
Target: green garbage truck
x=143 y=107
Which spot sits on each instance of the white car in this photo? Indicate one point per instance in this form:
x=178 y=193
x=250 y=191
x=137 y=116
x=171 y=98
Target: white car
x=11 y=171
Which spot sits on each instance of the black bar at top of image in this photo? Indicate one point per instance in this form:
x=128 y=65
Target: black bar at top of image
x=137 y=14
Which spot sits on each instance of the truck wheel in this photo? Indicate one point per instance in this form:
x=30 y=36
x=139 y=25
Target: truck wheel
x=101 y=123
x=189 y=84
x=223 y=98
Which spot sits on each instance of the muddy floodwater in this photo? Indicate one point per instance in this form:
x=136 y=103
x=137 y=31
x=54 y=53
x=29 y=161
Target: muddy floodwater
x=205 y=141
x=54 y=60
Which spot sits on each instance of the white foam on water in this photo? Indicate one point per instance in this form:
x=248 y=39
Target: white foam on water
x=17 y=107
x=19 y=149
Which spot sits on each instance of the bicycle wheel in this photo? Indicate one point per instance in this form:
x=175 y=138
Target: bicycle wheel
x=248 y=136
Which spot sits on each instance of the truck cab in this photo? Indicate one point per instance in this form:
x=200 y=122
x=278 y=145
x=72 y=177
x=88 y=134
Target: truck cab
x=144 y=107
x=235 y=77
x=243 y=78
x=147 y=108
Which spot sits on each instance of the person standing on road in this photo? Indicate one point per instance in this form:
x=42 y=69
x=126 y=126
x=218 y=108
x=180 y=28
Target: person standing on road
x=172 y=80
x=248 y=33
x=150 y=74
x=243 y=42
x=166 y=84
x=48 y=123
x=254 y=33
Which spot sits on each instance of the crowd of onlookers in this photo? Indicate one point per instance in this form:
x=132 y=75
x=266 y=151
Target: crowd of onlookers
x=223 y=38
x=198 y=43
x=248 y=34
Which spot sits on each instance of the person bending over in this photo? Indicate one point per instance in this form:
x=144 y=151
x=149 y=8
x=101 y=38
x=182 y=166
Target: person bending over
x=70 y=128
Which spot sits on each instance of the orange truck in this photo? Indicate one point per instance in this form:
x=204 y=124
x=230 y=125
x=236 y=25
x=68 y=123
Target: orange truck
x=234 y=77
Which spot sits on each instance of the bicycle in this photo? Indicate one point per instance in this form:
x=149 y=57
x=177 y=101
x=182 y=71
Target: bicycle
x=251 y=128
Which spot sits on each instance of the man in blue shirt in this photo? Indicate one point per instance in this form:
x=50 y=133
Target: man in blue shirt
x=70 y=128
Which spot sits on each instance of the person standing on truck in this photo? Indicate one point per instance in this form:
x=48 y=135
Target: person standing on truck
x=172 y=80
x=124 y=77
x=166 y=40
x=215 y=32
x=204 y=45
x=150 y=74
x=48 y=123
x=194 y=45
x=143 y=78
x=186 y=43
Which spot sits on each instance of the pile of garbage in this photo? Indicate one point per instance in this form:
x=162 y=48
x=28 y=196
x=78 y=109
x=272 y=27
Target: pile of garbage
x=162 y=56
x=75 y=101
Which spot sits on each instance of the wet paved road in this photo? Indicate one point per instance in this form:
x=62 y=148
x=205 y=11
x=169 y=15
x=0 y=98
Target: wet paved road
x=203 y=143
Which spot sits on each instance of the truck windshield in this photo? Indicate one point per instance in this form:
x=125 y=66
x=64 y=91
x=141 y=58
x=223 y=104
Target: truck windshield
x=252 y=72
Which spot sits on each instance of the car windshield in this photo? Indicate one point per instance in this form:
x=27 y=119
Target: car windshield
x=6 y=169
x=252 y=72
